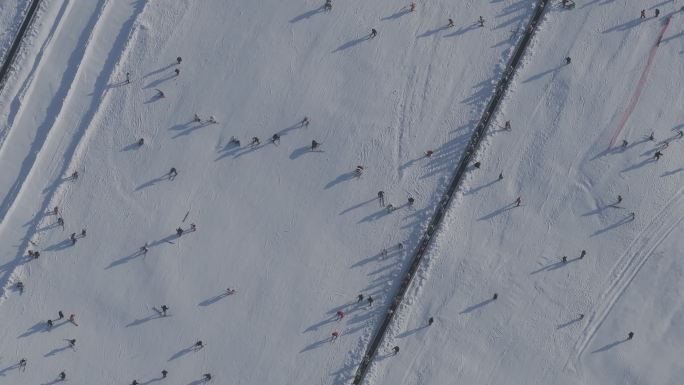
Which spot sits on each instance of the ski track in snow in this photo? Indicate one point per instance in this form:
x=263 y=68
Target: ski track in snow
x=627 y=267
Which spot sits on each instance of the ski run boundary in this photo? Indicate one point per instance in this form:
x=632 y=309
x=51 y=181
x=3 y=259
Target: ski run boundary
x=14 y=48
x=456 y=180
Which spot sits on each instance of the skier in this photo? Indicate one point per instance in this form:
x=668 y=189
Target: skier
x=207 y=376
x=74 y=175
x=495 y=296
x=481 y=21
x=73 y=238
x=581 y=316
x=55 y=211
x=20 y=287
x=400 y=245
x=234 y=140
x=630 y=335
x=179 y=60
x=564 y=259
x=582 y=254
x=22 y=364
x=334 y=336
x=198 y=345
x=340 y=315
x=179 y=231
x=619 y=198
x=275 y=139
x=230 y=291
x=134 y=382
x=359 y=171
x=428 y=153
x=72 y=343
x=657 y=155
x=141 y=141
x=61 y=315
x=255 y=141
x=390 y=208
x=370 y=301
x=430 y=321
x=412 y=7
x=410 y=201
x=680 y=134
x=624 y=143
x=173 y=173
x=83 y=233
x=657 y=12
x=328 y=5
x=373 y=33
x=128 y=77
x=451 y=23
x=196 y=119
x=30 y=253
x=211 y=120
x=632 y=215
x=500 y=175
x=359 y=298
x=651 y=137
x=36 y=254
x=164 y=308
x=314 y=145
x=49 y=324
x=381 y=197
x=518 y=201
x=72 y=319
x=395 y=350
x=568 y=60
x=193 y=227
x=643 y=14
x=507 y=125
x=383 y=252
x=477 y=165
x=164 y=373
x=160 y=94
x=143 y=249
x=62 y=376
x=177 y=71
x=305 y=121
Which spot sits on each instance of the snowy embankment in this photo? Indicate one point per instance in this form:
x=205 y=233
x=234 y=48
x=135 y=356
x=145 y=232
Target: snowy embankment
x=554 y=321
x=11 y=15
x=294 y=230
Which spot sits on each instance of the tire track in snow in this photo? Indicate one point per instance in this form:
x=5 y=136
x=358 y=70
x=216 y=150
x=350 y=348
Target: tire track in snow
x=627 y=267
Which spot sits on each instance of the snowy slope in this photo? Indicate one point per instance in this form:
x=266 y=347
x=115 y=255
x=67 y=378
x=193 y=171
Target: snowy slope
x=294 y=231
x=11 y=15
x=557 y=158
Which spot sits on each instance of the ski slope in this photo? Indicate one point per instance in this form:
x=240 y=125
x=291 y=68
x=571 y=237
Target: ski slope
x=557 y=158
x=294 y=231
x=11 y=15
x=299 y=235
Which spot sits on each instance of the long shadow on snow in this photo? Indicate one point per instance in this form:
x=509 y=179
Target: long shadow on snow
x=624 y=27
x=352 y=43
x=463 y=30
x=308 y=14
x=152 y=381
x=56 y=106
x=609 y=346
x=187 y=128
x=496 y=212
x=180 y=353
x=613 y=226
x=396 y=15
x=53 y=382
x=159 y=81
x=356 y=206
x=214 y=299
x=542 y=74
x=477 y=306
x=162 y=69
x=141 y=321
x=347 y=176
x=56 y=351
x=152 y=182
x=431 y=32
x=568 y=323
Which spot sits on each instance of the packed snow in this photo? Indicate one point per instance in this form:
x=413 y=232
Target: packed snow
x=297 y=234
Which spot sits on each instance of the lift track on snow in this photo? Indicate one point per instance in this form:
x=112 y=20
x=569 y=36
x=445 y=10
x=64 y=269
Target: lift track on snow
x=14 y=48
x=456 y=180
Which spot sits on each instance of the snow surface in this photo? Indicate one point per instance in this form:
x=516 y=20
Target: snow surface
x=11 y=15
x=297 y=234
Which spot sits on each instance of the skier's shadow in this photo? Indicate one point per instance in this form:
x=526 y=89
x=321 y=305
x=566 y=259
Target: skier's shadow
x=131 y=147
x=7 y=369
x=673 y=172
x=152 y=182
x=125 y=259
x=639 y=165
x=412 y=331
x=247 y=150
x=159 y=81
x=38 y=327
x=477 y=306
x=153 y=98
x=299 y=152
x=613 y=226
x=478 y=188
x=317 y=325
x=357 y=206
x=568 y=323
x=151 y=381
x=213 y=300
x=542 y=74
x=609 y=346
x=307 y=14
x=624 y=26
x=376 y=215
x=494 y=213
x=351 y=43
x=56 y=351
x=60 y=246
x=432 y=32
x=462 y=31
x=347 y=176
x=141 y=321
x=159 y=70
x=189 y=129
x=229 y=149
x=198 y=382
x=316 y=344
x=397 y=15
x=181 y=353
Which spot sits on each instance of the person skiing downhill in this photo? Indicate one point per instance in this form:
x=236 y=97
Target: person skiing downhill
x=630 y=335
x=624 y=143
x=255 y=141
x=657 y=12
x=128 y=77
x=196 y=119
x=495 y=296
x=206 y=376
x=61 y=315
x=564 y=259
x=450 y=24
x=430 y=321
x=619 y=199
x=198 y=345
x=651 y=137
x=518 y=201
x=359 y=298
x=477 y=165
x=373 y=33
x=179 y=231
x=22 y=364
x=359 y=171
x=395 y=350
x=583 y=253
x=172 y=173
x=275 y=139
x=381 y=198
x=164 y=308
x=49 y=324
x=160 y=93
x=62 y=376
x=428 y=153
x=164 y=373
x=73 y=238
x=179 y=60
x=305 y=122
x=412 y=7
x=141 y=141
x=72 y=343
x=340 y=315
x=500 y=175
x=72 y=319
x=177 y=71
x=507 y=125
x=20 y=287
x=643 y=14
x=370 y=301
x=481 y=21
x=314 y=145
x=411 y=201
x=334 y=336
x=657 y=155
x=568 y=60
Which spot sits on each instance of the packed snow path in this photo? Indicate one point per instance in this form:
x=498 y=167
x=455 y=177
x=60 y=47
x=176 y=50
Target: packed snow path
x=456 y=180
x=9 y=57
